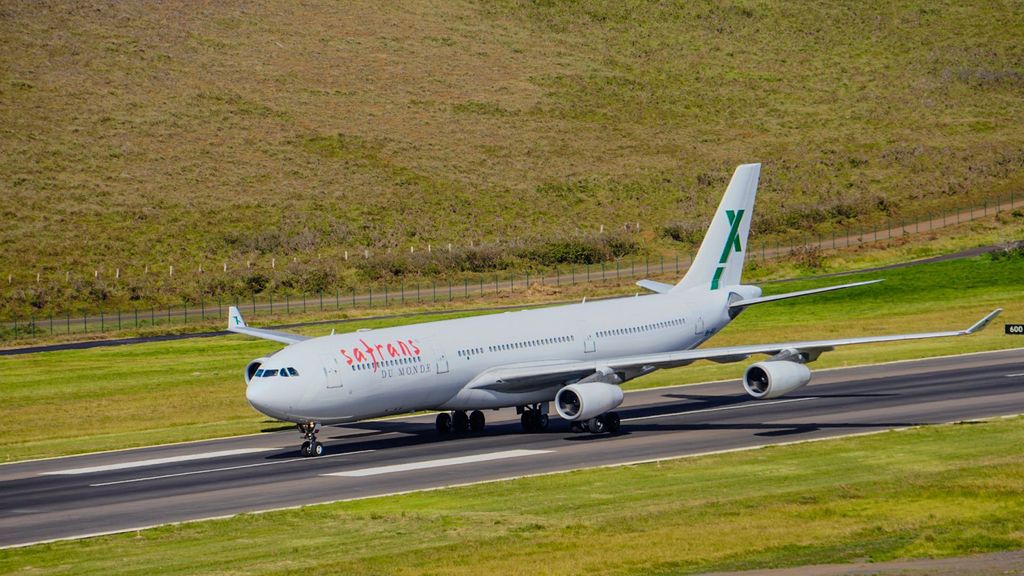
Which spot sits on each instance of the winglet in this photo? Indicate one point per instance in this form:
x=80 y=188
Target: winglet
x=235 y=318
x=980 y=324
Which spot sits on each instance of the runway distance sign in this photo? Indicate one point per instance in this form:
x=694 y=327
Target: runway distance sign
x=1015 y=329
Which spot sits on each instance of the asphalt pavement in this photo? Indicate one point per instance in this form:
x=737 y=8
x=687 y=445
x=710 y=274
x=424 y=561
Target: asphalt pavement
x=130 y=489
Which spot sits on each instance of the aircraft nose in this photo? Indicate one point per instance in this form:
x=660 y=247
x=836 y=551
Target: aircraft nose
x=270 y=399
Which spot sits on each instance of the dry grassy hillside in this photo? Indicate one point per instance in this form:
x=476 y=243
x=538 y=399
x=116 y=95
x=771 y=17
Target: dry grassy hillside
x=188 y=133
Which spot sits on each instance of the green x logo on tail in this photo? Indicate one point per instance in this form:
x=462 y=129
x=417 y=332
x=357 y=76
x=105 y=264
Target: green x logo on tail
x=732 y=244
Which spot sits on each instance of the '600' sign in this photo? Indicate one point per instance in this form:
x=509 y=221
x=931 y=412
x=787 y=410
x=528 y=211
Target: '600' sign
x=1015 y=329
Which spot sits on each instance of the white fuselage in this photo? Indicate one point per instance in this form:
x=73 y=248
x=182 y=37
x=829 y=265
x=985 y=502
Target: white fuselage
x=348 y=377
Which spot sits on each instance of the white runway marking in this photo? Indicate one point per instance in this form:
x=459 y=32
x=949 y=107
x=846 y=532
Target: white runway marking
x=1015 y=375
x=156 y=461
x=720 y=408
x=226 y=468
x=440 y=463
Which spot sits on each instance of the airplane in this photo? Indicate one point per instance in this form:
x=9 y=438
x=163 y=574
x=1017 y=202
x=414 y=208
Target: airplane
x=575 y=356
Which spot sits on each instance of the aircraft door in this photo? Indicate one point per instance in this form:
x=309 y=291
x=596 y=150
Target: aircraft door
x=332 y=370
x=589 y=344
x=442 y=364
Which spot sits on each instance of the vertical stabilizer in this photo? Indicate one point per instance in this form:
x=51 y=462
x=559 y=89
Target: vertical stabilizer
x=719 y=262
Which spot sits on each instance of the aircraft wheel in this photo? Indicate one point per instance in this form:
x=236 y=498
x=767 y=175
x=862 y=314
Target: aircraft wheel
x=477 y=421
x=612 y=422
x=596 y=425
x=304 y=450
x=542 y=422
x=317 y=449
x=526 y=420
x=460 y=422
x=443 y=423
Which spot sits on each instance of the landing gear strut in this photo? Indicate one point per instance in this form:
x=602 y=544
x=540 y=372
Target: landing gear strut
x=534 y=418
x=310 y=447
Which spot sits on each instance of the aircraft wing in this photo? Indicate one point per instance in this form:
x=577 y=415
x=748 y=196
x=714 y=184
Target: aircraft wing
x=531 y=376
x=237 y=324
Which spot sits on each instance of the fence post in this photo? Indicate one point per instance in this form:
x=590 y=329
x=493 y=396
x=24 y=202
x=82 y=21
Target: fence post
x=186 y=312
x=270 y=299
x=511 y=282
x=573 y=268
x=202 y=308
x=449 y=289
x=51 y=323
x=254 y=303
x=152 y=315
x=287 y=303
x=101 y=319
x=321 y=300
x=371 y=296
x=385 y=295
x=353 y=297
x=558 y=281
x=337 y=298
x=15 y=327
x=135 y=311
x=67 y=317
x=303 y=302
x=118 y=319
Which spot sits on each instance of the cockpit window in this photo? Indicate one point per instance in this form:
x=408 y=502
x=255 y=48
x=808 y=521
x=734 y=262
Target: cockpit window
x=293 y=372
x=269 y=373
x=259 y=373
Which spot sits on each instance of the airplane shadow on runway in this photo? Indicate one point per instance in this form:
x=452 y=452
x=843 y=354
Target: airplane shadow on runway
x=377 y=435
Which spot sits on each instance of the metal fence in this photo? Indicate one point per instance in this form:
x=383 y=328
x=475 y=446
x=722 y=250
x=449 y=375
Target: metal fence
x=255 y=306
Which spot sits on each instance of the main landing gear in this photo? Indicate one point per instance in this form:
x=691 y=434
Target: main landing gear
x=310 y=447
x=534 y=418
x=459 y=422
x=607 y=422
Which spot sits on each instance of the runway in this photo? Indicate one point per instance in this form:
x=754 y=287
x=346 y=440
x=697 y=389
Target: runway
x=116 y=491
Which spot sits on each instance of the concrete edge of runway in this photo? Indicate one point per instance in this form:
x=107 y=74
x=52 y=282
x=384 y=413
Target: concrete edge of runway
x=402 y=416
x=503 y=479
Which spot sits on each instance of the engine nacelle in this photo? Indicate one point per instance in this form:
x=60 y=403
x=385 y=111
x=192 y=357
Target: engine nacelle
x=252 y=367
x=774 y=378
x=582 y=401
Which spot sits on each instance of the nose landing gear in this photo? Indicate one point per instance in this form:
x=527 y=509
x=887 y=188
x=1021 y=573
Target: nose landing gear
x=310 y=447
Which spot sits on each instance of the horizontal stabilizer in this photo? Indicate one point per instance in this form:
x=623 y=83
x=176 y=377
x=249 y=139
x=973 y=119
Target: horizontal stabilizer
x=739 y=304
x=653 y=286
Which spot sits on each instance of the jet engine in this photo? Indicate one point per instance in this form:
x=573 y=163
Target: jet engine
x=773 y=378
x=252 y=367
x=582 y=401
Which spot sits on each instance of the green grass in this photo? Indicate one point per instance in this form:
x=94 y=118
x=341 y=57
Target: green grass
x=138 y=395
x=248 y=132
x=927 y=492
